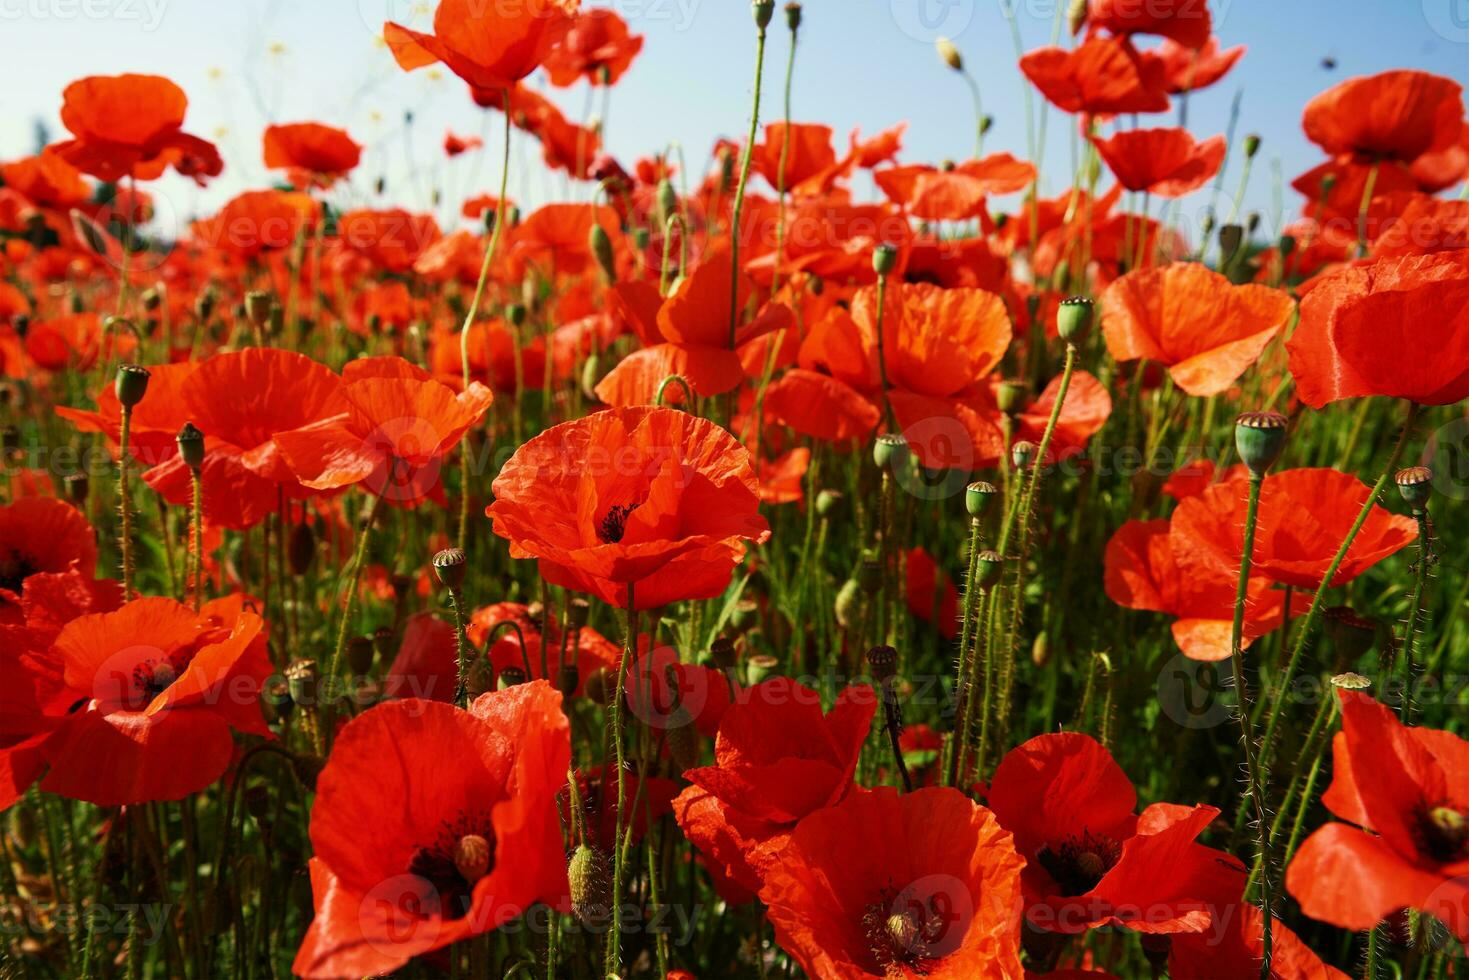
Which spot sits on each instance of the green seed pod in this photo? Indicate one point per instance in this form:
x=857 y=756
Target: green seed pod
x=793 y=17
x=191 y=446
x=1416 y=485
x=1074 y=319
x=869 y=575
x=1012 y=396
x=1260 y=437
x=829 y=503
x=450 y=565
x=1040 y=650
x=761 y=667
x=257 y=307
x=511 y=677
x=132 y=384
x=745 y=616
x=1023 y=454
x=988 y=568
x=977 y=497
x=764 y=12
x=1351 y=682
x=667 y=201
x=884 y=258
x=890 y=451
x=301 y=678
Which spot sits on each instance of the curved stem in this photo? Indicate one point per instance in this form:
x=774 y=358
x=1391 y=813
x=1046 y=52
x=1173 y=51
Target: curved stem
x=679 y=380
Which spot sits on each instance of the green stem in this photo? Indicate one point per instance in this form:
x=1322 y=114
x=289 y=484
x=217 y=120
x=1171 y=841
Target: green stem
x=739 y=201
x=1415 y=614
x=124 y=505
x=963 y=685
x=629 y=650
x=785 y=156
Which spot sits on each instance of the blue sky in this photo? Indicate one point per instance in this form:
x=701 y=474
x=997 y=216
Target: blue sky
x=867 y=63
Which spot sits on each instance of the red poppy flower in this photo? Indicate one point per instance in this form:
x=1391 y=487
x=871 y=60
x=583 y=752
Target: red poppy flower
x=1395 y=115
x=776 y=760
x=882 y=148
x=46 y=181
x=592 y=651
x=390 y=240
x=820 y=406
x=419 y=855
x=554 y=238
x=1166 y=162
x=456 y=145
x=687 y=334
x=131 y=126
x=1189 y=70
x=781 y=478
x=490 y=46
x=143 y=701
x=1422 y=225
x=598 y=48
x=156 y=419
x=892 y=885
x=1091 y=860
x=1397 y=327
x=811 y=163
x=955 y=193
x=1101 y=76
x=1147 y=567
x=40 y=534
x=73 y=342
x=1190 y=318
x=931 y=594
x=426 y=665
x=1184 y=21
x=1438 y=170
x=258 y=221
x=1304 y=517
x=1407 y=789
x=393 y=436
x=645 y=498
x=312 y=153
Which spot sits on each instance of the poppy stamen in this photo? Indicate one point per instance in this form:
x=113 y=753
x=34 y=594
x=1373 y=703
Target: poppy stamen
x=452 y=865
x=1078 y=864
x=614 y=524
x=13 y=573
x=904 y=935
x=1444 y=831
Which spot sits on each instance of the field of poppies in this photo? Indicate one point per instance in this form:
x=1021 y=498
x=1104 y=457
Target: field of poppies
x=781 y=563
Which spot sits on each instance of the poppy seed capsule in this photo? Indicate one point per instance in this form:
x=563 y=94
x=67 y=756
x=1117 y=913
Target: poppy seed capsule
x=1416 y=485
x=890 y=451
x=884 y=258
x=1023 y=453
x=191 y=446
x=450 y=566
x=275 y=698
x=301 y=678
x=761 y=667
x=1259 y=437
x=1351 y=682
x=977 y=497
x=511 y=677
x=827 y=503
x=360 y=654
x=793 y=16
x=601 y=246
x=1074 y=319
x=1011 y=397
x=987 y=568
x=77 y=487
x=132 y=384
x=472 y=857
x=257 y=307
x=764 y=12
x=577 y=613
x=949 y=54
x=883 y=662
x=1231 y=237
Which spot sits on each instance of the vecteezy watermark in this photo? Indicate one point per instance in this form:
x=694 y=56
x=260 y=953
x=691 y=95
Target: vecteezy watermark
x=92 y=918
x=929 y=20
x=1449 y=19
x=146 y=13
x=1196 y=693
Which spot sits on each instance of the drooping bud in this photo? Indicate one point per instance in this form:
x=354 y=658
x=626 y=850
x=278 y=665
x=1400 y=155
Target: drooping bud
x=191 y=446
x=601 y=246
x=1260 y=438
x=450 y=565
x=949 y=54
x=667 y=201
x=132 y=384
x=1074 y=319
x=1416 y=485
x=590 y=875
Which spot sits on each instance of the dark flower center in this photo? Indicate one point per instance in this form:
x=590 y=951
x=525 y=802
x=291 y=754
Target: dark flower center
x=614 y=523
x=452 y=865
x=14 y=570
x=150 y=678
x=1443 y=833
x=1077 y=864
x=909 y=934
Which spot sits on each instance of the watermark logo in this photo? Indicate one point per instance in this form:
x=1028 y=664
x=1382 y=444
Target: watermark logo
x=929 y=20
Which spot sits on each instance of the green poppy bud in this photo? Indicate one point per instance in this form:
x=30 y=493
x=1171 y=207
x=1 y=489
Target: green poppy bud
x=132 y=384
x=191 y=446
x=884 y=258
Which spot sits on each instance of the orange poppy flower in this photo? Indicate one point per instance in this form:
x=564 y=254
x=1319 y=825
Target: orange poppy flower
x=385 y=878
x=131 y=126
x=598 y=48
x=1148 y=567
x=1185 y=21
x=954 y=193
x=1189 y=70
x=490 y=46
x=1438 y=170
x=898 y=885
x=1190 y=318
x=258 y=221
x=156 y=419
x=687 y=334
x=811 y=163
x=1406 y=790
x=312 y=153
x=1395 y=115
x=73 y=342
x=390 y=240
x=1304 y=517
x=1166 y=162
x=393 y=435
x=820 y=406
x=554 y=238
x=777 y=759
x=456 y=145
x=40 y=535
x=882 y=148
x=646 y=498
x=145 y=699
x=1101 y=76
x=1397 y=327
